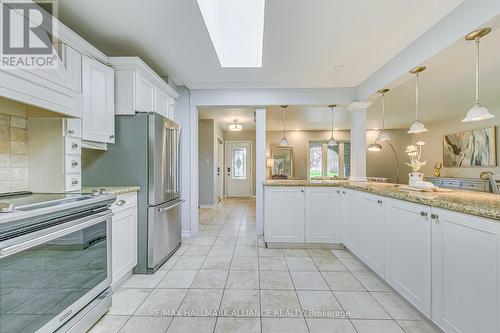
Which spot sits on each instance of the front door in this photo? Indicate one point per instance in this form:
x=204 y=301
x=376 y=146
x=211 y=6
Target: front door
x=238 y=168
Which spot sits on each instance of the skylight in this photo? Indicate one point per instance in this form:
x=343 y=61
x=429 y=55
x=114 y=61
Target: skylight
x=236 y=29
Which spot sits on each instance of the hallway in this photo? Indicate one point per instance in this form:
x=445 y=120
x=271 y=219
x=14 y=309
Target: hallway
x=226 y=281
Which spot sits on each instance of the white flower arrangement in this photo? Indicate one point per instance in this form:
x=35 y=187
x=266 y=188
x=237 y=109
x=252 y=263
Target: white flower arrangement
x=415 y=153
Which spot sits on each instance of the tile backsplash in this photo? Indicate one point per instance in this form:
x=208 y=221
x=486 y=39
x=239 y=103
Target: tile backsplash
x=13 y=154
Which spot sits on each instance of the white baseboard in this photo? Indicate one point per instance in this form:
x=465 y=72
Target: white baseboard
x=186 y=233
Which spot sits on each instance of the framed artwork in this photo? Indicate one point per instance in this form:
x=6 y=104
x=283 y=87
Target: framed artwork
x=475 y=148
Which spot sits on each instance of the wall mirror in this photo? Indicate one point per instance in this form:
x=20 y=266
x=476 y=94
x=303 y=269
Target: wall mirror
x=283 y=161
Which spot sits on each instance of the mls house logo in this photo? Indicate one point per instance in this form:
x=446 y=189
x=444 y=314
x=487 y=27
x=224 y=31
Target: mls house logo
x=25 y=36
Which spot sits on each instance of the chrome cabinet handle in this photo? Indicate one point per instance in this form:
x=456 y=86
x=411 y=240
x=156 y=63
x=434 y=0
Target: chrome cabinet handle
x=74 y=145
x=379 y=202
x=435 y=216
x=423 y=214
x=74 y=182
x=112 y=136
x=74 y=164
x=121 y=202
x=71 y=131
x=302 y=191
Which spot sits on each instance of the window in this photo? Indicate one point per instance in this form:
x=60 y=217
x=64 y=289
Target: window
x=329 y=161
x=239 y=157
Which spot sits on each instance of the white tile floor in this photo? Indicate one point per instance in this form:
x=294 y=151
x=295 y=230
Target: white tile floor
x=226 y=281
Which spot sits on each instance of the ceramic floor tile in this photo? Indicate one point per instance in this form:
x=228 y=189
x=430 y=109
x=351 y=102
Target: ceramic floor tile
x=245 y=264
x=221 y=251
x=109 y=324
x=275 y=280
x=217 y=263
x=161 y=301
x=361 y=305
x=240 y=303
x=192 y=325
x=342 y=281
x=245 y=251
x=300 y=264
x=412 y=326
x=330 y=326
x=280 y=325
x=237 y=325
x=243 y=280
x=145 y=280
x=201 y=302
x=211 y=279
x=126 y=301
x=280 y=303
x=353 y=265
x=320 y=253
x=189 y=262
x=329 y=264
x=377 y=326
x=342 y=253
x=319 y=304
x=272 y=264
x=247 y=241
x=308 y=280
x=371 y=282
x=170 y=262
x=295 y=253
x=146 y=324
x=178 y=279
x=225 y=240
x=197 y=250
x=263 y=252
x=395 y=306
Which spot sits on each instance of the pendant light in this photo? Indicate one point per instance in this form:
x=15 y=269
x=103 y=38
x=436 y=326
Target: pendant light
x=417 y=126
x=235 y=126
x=383 y=136
x=477 y=112
x=374 y=147
x=284 y=141
x=332 y=142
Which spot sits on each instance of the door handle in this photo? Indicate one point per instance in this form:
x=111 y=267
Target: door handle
x=166 y=209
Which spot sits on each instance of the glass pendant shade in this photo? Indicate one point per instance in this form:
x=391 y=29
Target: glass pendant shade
x=284 y=141
x=417 y=127
x=477 y=113
x=383 y=136
x=332 y=142
x=374 y=147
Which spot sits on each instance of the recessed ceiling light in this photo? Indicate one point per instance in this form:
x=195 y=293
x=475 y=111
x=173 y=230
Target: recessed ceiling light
x=338 y=68
x=236 y=29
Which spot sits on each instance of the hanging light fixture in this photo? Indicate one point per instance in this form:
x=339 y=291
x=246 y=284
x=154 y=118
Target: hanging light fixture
x=383 y=136
x=477 y=112
x=374 y=147
x=332 y=142
x=284 y=141
x=417 y=126
x=235 y=126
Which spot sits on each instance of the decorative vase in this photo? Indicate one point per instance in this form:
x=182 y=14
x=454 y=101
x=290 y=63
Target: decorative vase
x=415 y=177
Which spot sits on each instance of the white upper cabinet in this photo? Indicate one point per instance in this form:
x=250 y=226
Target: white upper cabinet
x=323 y=207
x=98 y=102
x=408 y=251
x=284 y=214
x=465 y=272
x=139 y=89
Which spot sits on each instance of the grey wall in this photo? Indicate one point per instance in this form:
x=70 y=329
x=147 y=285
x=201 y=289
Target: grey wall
x=245 y=136
x=206 y=153
x=380 y=164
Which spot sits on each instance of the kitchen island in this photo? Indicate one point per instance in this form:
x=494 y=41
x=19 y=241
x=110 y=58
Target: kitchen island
x=439 y=250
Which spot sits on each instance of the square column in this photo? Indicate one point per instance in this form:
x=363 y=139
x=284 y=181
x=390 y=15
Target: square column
x=260 y=168
x=358 y=140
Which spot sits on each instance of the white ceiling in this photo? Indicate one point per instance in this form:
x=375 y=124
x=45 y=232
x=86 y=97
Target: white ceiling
x=225 y=116
x=320 y=43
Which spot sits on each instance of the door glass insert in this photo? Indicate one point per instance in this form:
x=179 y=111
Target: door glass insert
x=239 y=162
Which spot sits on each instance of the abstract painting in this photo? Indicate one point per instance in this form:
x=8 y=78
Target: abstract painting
x=475 y=148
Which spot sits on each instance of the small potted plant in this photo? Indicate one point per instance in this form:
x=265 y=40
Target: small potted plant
x=415 y=153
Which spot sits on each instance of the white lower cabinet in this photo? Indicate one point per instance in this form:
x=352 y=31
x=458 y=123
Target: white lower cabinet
x=284 y=214
x=350 y=233
x=124 y=237
x=323 y=207
x=408 y=252
x=465 y=273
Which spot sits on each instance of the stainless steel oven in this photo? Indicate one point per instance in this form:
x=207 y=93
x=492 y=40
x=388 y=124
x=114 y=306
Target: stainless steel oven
x=51 y=271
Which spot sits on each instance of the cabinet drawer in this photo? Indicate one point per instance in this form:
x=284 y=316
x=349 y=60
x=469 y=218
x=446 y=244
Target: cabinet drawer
x=73 y=182
x=124 y=201
x=73 y=164
x=73 y=146
x=472 y=186
x=450 y=183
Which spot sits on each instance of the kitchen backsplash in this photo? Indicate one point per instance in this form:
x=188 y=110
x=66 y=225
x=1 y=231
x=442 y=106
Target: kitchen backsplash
x=13 y=154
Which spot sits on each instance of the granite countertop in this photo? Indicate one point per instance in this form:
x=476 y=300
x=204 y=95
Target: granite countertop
x=468 y=202
x=117 y=190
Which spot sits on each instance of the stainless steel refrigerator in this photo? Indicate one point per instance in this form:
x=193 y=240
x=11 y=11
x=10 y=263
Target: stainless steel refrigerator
x=147 y=154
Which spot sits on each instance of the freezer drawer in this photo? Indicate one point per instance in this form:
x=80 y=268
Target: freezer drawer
x=164 y=231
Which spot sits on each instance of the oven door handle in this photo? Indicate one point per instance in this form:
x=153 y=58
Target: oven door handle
x=49 y=234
